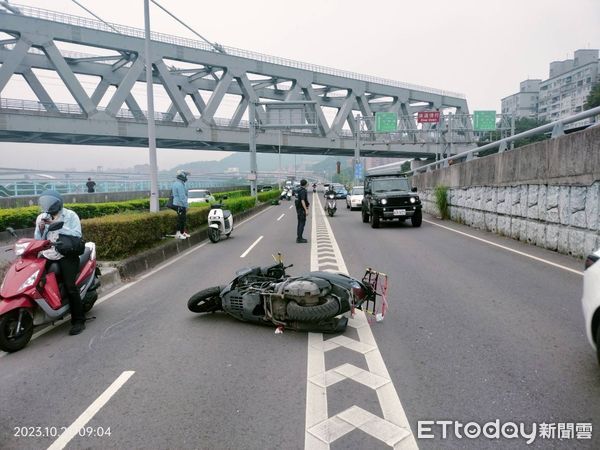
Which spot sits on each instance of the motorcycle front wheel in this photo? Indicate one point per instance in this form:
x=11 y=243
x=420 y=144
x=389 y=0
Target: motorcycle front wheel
x=207 y=300
x=11 y=339
x=214 y=235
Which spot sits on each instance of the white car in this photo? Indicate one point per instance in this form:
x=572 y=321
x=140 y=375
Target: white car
x=199 y=196
x=591 y=300
x=355 y=197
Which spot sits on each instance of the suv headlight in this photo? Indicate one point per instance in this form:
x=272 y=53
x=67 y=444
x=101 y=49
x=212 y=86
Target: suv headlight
x=413 y=200
x=383 y=201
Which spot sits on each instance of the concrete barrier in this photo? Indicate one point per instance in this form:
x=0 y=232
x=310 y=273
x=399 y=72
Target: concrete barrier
x=546 y=194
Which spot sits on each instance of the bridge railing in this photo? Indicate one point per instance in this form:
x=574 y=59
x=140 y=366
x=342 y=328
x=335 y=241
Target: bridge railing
x=60 y=17
x=556 y=128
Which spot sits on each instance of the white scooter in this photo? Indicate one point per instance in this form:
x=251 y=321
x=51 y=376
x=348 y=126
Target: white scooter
x=220 y=221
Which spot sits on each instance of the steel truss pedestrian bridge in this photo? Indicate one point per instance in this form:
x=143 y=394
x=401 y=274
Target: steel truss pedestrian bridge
x=197 y=78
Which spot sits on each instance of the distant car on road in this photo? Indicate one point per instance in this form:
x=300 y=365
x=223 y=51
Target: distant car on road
x=354 y=198
x=266 y=188
x=340 y=192
x=199 y=196
x=591 y=300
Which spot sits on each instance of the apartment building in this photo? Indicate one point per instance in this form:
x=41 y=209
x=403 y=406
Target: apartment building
x=564 y=92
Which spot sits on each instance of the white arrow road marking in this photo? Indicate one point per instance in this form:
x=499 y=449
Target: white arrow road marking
x=280 y=217
x=243 y=255
x=393 y=428
x=87 y=415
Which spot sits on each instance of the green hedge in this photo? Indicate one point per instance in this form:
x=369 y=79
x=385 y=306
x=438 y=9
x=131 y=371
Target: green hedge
x=122 y=235
x=24 y=217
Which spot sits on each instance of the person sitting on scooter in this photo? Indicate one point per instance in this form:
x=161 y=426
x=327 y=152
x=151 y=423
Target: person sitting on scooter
x=51 y=204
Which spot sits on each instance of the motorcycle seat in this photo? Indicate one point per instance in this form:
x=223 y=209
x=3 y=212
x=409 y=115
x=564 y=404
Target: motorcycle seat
x=226 y=214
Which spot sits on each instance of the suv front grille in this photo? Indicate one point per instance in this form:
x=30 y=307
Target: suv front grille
x=399 y=201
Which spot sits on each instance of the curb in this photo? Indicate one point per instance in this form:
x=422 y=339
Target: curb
x=135 y=265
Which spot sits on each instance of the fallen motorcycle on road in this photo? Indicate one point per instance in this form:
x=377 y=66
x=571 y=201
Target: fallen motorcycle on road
x=311 y=302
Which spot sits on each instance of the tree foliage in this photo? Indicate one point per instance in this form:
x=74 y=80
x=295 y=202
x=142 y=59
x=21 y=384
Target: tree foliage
x=593 y=98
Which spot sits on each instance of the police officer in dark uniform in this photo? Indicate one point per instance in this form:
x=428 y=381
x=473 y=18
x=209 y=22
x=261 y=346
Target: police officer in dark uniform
x=302 y=205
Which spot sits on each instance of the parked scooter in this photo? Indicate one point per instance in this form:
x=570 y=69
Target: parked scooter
x=267 y=295
x=32 y=293
x=220 y=221
x=331 y=204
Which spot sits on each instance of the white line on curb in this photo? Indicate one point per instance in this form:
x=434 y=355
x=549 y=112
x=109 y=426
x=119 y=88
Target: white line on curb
x=243 y=255
x=87 y=415
x=568 y=269
x=280 y=217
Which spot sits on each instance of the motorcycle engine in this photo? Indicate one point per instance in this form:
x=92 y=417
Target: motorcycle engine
x=303 y=292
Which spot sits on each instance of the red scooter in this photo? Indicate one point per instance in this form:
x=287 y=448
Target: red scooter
x=32 y=293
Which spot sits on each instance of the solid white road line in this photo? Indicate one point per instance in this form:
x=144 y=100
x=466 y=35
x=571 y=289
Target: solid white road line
x=545 y=261
x=140 y=278
x=291 y=206
x=243 y=255
x=87 y=415
x=280 y=217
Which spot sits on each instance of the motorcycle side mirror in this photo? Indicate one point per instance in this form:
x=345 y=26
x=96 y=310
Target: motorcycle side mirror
x=56 y=226
x=11 y=230
x=414 y=189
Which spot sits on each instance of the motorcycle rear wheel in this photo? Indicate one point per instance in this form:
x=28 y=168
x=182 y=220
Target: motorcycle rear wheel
x=9 y=341
x=316 y=313
x=207 y=300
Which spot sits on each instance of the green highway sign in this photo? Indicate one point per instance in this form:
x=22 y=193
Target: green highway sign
x=484 y=120
x=386 y=122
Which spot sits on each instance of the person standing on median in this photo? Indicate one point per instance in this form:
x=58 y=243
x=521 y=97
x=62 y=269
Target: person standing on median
x=91 y=186
x=180 y=201
x=302 y=205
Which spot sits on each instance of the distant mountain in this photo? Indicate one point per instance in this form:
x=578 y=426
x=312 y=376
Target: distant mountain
x=265 y=162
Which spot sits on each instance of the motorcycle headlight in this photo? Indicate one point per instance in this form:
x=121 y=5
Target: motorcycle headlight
x=413 y=200
x=29 y=281
x=383 y=201
x=331 y=196
x=20 y=248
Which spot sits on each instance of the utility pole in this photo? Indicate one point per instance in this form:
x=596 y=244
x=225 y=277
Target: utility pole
x=252 y=144
x=150 y=118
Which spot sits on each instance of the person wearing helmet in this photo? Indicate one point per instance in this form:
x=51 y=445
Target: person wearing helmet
x=180 y=202
x=51 y=205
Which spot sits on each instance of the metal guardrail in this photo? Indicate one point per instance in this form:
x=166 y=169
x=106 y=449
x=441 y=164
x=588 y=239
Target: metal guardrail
x=55 y=16
x=556 y=128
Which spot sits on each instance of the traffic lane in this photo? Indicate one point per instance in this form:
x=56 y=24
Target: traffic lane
x=124 y=326
x=488 y=326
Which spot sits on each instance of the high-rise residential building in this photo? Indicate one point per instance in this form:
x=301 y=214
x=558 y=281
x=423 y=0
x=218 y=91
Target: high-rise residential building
x=564 y=92
x=525 y=102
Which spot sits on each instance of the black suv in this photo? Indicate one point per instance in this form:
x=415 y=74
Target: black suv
x=390 y=197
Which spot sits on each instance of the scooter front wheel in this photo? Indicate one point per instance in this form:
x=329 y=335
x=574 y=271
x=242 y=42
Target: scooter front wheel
x=214 y=234
x=12 y=336
x=207 y=300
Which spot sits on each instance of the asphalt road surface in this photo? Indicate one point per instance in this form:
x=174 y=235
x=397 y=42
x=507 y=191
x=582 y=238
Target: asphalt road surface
x=474 y=333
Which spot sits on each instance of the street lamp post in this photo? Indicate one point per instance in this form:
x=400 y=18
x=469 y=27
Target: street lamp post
x=150 y=118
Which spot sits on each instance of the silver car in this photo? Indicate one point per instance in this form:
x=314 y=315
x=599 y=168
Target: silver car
x=354 y=197
x=199 y=196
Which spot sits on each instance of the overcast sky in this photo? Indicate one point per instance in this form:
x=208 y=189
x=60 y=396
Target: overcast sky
x=480 y=48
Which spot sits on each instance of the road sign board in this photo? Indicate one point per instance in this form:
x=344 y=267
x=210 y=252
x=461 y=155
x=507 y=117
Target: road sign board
x=358 y=170
x=428 y=116
x=386 y=122
x=484 y=120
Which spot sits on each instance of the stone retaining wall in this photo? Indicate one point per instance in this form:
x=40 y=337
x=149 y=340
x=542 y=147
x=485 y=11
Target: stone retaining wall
x=550 y=197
